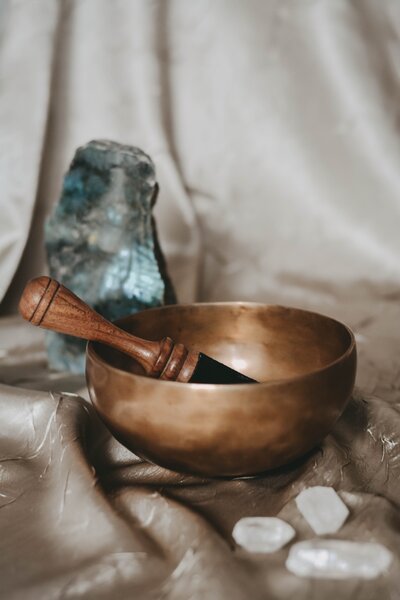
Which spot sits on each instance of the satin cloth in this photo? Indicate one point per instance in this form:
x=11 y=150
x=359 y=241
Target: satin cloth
x=274 y=129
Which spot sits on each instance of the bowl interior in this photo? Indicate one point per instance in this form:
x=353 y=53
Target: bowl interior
x=264 y=342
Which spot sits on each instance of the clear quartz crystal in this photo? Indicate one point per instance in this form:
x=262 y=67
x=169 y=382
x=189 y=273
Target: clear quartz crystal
x=338 y=559
x=322 y=508
x=262 y=534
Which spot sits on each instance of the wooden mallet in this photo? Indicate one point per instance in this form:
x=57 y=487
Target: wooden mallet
x=47 y=303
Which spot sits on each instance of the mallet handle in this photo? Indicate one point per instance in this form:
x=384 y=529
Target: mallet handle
x=47 y=303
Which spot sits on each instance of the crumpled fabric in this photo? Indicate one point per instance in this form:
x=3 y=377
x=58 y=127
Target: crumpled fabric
x=82 y=517
x=274 y=129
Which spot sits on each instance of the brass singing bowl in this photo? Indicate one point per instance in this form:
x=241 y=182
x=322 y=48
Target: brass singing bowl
x=306 y=364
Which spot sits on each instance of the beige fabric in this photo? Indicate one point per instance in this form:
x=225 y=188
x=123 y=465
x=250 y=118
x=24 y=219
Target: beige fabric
x=274 y=128
x=273 y=125
x=81 y=517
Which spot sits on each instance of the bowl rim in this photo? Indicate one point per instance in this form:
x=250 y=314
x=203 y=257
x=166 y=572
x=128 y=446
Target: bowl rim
x=93 y=355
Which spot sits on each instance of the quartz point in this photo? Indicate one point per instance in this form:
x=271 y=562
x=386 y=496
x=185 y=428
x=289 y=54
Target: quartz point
x=262 y=534
x=101 y=240
x=322 y=508
x=338 y=559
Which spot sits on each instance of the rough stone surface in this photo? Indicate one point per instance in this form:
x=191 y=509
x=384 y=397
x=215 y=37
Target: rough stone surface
x=101 y=240
x=338 y=559
x=262 y=534
x=322 y=508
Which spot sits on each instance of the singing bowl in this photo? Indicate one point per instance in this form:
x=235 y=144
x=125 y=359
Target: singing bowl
x=305 y=362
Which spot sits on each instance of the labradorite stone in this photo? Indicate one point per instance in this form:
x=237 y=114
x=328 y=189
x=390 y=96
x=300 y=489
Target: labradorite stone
x=101 y=240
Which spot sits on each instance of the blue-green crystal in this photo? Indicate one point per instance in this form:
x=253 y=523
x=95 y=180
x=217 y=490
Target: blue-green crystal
x=101 y=240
